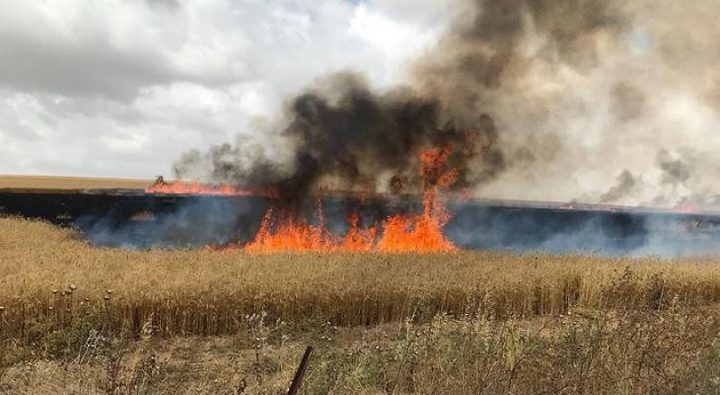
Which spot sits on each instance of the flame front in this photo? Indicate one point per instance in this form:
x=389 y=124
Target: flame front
x=289 y=234
x=284 y=232
x=196 y=188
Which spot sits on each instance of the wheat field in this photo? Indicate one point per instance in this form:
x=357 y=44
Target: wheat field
x=56 y=183
x=115 y=321
x=49 y=276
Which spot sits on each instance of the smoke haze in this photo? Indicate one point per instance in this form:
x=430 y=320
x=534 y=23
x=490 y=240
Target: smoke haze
x=600 y=101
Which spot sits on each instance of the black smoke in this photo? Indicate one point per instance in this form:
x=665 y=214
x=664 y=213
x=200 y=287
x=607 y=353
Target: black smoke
x=345 y=135
x=353 y=139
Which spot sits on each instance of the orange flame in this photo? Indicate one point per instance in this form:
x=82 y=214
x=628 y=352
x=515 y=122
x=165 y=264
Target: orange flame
x=357 y=239
x=289 y=234
x=400 y=233
x=687 y=208
x=196 y=188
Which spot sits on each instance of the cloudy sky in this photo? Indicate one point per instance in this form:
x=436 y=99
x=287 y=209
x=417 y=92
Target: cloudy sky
x=122 y=88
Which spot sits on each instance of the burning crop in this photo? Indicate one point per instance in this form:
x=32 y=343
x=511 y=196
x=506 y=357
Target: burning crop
x=285 y=229
x=281 y=231
x=197 y=188
x=193 y=188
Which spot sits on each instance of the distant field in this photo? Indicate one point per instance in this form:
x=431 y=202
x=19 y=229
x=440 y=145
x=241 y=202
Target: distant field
x=51 y=182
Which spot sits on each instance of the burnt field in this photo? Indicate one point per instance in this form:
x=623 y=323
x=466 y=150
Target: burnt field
x=133 y=219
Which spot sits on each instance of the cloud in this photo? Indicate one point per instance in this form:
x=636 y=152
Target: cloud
x=121 y=88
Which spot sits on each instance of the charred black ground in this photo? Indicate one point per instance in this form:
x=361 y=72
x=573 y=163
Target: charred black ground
x=131 y=219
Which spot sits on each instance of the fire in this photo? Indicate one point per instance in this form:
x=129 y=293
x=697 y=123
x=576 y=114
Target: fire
x=196 y=188
x=358 y=239
x=687 y=208
x=421 y=233
x=285 y=232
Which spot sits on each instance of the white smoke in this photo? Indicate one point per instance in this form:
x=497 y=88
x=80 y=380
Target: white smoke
x=649 y=96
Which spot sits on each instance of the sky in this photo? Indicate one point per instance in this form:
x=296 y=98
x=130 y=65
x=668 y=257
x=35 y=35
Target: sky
x=122 y=88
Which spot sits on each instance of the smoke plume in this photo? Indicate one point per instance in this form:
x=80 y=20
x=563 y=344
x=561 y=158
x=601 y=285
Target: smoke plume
x=537 y=99
x=626 y=182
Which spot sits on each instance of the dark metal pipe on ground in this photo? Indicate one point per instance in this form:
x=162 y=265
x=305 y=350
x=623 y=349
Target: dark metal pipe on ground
x=300 y=373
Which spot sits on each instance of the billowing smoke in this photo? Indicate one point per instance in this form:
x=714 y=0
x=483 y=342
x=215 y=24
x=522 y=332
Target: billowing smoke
x=626 y=183
x=539 y=99
x=345 y=134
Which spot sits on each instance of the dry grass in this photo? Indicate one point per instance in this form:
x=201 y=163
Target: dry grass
x=669 y=352
x=78 y=319
x=205 y=293
x=70 y=183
